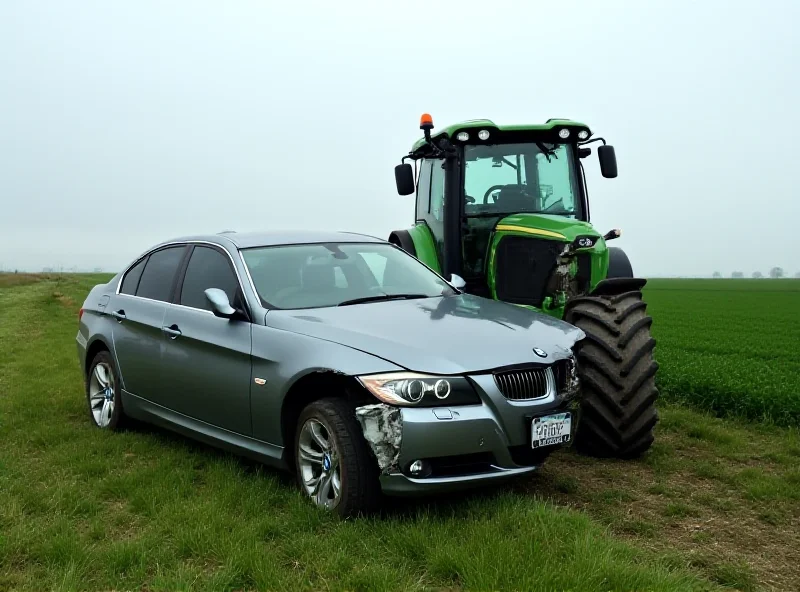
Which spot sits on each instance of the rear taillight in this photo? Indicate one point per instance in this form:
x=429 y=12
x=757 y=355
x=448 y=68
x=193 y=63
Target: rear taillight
x=80 y=315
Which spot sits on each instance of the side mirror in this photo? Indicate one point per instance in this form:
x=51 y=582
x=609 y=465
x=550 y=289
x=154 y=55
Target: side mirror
x=608 y=161
x=404 y=178
x=457 y=281
x=220 y=305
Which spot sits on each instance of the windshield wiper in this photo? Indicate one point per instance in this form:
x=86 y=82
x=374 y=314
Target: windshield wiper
x=382 y=297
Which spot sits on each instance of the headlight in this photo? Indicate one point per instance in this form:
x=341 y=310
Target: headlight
x=410 y=389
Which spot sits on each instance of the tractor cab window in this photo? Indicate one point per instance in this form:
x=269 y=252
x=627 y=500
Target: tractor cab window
x=509 y=179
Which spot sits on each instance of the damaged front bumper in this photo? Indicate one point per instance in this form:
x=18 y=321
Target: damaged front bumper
x=458 y=446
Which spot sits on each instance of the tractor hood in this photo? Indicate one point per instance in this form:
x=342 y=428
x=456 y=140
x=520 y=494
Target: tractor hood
x=440 y=335
x=547 y=226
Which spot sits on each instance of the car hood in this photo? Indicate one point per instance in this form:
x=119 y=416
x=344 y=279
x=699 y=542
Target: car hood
x=441 y=335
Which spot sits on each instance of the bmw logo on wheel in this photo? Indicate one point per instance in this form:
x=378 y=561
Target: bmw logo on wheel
x=540 y=352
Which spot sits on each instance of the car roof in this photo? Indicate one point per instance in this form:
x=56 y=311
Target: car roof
x=269 y=238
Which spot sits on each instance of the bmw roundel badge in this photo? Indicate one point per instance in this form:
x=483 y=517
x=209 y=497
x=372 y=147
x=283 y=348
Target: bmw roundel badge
x=540 y=352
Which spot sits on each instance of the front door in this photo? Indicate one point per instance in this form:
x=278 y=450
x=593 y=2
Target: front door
x=206 y=361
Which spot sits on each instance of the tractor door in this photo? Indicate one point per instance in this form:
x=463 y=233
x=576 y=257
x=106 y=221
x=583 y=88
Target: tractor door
x=430 y=201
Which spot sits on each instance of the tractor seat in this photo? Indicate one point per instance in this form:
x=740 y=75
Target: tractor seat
x=514 y=198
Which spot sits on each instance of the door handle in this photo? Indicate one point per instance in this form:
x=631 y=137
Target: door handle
x=119 y=315
x=172 y=331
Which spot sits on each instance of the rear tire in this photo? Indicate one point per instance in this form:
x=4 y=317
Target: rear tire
x=103 y=393
x=617 y=412
x=359 y=490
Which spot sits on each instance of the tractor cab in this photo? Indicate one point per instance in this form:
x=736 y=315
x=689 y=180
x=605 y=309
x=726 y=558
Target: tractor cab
x=503 y=206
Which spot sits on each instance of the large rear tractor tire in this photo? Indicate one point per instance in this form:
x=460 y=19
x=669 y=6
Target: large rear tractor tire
x=617 y=412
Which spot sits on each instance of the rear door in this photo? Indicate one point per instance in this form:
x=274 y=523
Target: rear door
x=207 y=358
x=139 y=309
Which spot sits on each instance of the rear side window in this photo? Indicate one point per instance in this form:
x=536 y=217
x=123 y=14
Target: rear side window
x=159 y=273
x=131 y=280
x=208 y=268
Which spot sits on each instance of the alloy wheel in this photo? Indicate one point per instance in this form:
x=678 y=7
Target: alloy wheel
x=319 y=464
x=102 y=394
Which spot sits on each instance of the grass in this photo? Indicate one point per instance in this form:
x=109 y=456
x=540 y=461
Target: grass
x=726 y=504
x=729 y=346
x=713 y=506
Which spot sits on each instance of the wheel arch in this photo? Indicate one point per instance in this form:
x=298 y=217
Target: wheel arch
x=92 y=349
x=619 y=265
x=313 y=386
x=618 y=285
x=402 y=238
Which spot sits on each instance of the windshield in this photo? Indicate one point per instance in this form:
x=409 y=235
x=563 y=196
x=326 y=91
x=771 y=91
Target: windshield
x=518 y=178
x=332 y=274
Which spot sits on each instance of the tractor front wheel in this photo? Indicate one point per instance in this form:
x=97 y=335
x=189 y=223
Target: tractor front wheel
x=617 y=411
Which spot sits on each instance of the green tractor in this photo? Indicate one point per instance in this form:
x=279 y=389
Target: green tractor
x=503 y=212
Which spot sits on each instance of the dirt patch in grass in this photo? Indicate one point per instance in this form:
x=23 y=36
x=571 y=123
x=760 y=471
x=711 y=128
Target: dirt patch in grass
x=723 y=502
x=63 y=299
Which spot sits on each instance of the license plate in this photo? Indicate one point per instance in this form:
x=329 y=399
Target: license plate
x=551 y=430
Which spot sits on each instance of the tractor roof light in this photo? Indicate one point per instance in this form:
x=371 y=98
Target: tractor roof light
x=563 y=133
x=462 y=136
x=583 y=134
x=483 y=135
x=426 y=125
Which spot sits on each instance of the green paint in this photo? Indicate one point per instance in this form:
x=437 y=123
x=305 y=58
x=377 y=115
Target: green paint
x=425 y=246
x=570 y=229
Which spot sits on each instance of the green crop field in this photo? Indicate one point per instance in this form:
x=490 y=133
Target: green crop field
x=729 y=346
x=715 y=505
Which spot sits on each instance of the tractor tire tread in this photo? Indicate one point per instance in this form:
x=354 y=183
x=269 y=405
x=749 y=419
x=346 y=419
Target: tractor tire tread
x=617 y=411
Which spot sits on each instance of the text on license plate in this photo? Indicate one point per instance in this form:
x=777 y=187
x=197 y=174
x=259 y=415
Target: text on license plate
x=550 y=430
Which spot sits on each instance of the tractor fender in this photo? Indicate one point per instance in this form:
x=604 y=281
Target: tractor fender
x=618 y=285
x=619 y=266
x=402 y=238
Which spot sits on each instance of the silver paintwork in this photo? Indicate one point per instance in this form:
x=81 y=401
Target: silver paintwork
x=219 y=300
x=201 y=382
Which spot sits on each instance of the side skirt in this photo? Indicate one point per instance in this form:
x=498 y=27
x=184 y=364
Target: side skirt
x=150 y=412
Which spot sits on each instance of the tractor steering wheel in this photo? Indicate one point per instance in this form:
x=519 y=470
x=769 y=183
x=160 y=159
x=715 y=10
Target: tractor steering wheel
x=490 y=190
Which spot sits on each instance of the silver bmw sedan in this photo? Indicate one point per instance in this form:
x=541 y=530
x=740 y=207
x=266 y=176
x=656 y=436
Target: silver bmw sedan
x=337 y=356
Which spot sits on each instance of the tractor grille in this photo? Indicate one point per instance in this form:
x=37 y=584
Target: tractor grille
x=523 y=266
x=523 y=385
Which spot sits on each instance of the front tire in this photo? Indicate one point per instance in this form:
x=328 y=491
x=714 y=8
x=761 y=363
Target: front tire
x=333 y=464
x=103 y=393
x=617 y=411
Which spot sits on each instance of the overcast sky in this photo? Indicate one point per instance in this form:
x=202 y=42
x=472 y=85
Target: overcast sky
x=122 y=124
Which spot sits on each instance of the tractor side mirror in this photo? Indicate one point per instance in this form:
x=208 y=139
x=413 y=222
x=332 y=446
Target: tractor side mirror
x=608 y=161
x=404 y=178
